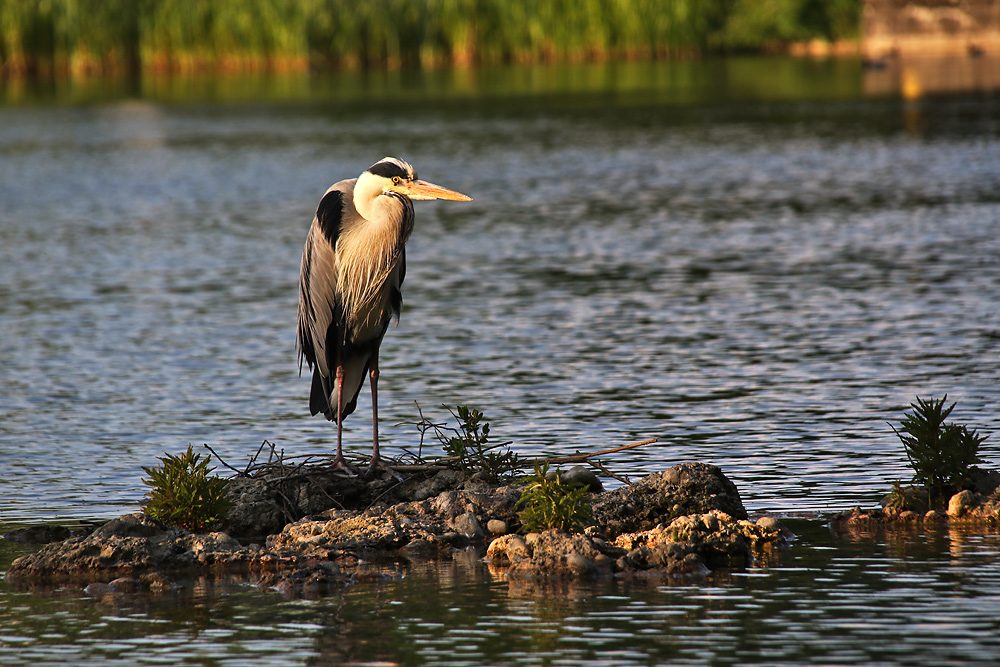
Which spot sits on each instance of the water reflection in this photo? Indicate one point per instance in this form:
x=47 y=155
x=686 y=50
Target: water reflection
x=924 y=598
x=593 y=84
x=913 y=76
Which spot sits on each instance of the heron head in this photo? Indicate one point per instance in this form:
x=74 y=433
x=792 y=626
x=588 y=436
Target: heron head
x=398 y=176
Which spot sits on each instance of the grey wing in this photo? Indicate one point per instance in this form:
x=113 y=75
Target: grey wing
x=319 y=307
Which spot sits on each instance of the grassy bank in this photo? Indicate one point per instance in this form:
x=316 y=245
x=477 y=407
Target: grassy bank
x=41 y=37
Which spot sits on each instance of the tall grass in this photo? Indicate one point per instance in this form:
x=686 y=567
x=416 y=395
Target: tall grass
x=72 y=36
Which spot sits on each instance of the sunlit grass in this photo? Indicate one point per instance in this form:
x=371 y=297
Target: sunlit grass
x=77 y=36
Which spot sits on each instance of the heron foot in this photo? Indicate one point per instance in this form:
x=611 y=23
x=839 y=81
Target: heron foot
x=376 y=464
x=340 y=462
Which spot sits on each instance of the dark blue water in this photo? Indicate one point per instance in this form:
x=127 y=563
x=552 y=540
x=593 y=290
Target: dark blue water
x=760 y=269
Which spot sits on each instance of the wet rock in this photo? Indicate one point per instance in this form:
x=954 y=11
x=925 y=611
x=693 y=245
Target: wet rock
x=688 y=488
x=152 y=582
x=156 y=582
x=580 y=476
x=97 y=589
x=769 y=523
x=960 y=503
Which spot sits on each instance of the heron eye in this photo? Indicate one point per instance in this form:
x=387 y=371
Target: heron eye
x=395 y=179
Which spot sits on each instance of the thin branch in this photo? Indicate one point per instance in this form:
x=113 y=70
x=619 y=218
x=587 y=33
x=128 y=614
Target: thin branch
x=578 y=458
x=600 y=466
x=222 y=461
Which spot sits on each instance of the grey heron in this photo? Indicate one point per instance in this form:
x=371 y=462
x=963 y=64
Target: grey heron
x=352 y=268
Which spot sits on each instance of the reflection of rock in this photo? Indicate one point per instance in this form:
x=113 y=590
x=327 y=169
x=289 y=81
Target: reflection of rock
x=685 y=520
x=38 y=534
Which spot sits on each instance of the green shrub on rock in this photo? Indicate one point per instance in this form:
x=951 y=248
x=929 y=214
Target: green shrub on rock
x=942 y=455
x=183 y=494
x=549 y=503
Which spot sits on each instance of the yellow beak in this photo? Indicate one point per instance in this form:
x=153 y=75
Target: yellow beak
x=425 y=190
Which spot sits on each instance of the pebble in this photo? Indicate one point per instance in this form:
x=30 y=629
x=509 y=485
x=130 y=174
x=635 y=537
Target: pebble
x=509 y=547
x=769 y=523
x=97 y=589
x=497 y=527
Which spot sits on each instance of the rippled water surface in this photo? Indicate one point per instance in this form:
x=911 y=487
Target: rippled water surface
x=749 y=260
x=921 y=599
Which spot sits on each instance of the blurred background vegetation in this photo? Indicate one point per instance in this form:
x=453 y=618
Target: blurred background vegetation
x=59 y=37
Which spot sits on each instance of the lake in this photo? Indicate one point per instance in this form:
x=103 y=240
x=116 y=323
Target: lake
x=759 y=261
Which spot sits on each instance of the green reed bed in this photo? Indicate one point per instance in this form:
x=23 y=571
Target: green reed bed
x=75 y=36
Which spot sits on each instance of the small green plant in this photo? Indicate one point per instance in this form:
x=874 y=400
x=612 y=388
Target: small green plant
x=469 y=444
x=183 y=494
x=548 y=503
x=941 y=455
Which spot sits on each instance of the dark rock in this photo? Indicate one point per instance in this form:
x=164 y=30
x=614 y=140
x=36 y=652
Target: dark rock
x=984 y=482
x=908 y=498
x=265 y=503
x=688 y=488
x=152 y=582
x=469 y=525
x=128 y=525
x=580 y=476
x=38 y=534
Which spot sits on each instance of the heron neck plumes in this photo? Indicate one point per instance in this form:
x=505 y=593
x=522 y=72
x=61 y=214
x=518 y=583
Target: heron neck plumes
x=368 y=254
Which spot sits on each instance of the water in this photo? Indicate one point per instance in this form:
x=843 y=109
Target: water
x=928 y=599
x=749 y=259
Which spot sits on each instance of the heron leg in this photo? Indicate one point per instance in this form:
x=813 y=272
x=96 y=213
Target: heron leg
x=339 y=461
x=376 y=459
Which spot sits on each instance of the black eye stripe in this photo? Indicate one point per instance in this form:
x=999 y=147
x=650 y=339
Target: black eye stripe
x=388 y=170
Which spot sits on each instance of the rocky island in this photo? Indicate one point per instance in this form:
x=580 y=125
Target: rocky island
x=319 y=528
